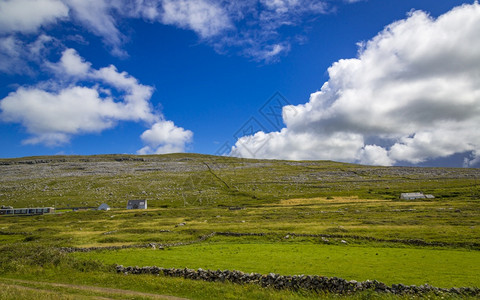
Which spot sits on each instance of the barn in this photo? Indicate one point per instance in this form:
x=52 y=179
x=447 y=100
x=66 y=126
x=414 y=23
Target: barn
x=137 y=204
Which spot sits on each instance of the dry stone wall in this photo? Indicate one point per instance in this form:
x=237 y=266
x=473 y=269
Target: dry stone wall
x=297 y=282
x=149 y=245
x=324 y=237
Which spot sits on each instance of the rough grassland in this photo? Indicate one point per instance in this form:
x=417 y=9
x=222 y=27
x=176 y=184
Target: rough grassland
x=296 y=206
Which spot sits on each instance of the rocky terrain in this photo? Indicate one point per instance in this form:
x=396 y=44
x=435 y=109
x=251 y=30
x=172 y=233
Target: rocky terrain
x=192 y=179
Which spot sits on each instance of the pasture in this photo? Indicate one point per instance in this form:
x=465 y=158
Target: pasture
x=316 y=218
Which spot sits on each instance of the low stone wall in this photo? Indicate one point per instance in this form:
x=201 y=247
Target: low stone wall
x=237 y=234
x=297 y=282
x=88 y=249
x=149 y=245
x=414 y=242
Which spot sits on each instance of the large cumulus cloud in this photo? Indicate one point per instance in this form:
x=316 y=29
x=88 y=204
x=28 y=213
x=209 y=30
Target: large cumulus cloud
x=412 y=94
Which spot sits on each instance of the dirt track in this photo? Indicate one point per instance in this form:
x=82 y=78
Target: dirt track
x=102 y=291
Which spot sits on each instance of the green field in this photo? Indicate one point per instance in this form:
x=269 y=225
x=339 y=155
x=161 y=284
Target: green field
x=316 y=218
x=438 y=267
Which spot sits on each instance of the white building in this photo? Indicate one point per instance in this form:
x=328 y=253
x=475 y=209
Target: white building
x=103 y=206
x=413 y=196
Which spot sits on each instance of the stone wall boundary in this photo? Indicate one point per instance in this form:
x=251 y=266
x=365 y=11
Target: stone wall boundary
x=313 y=283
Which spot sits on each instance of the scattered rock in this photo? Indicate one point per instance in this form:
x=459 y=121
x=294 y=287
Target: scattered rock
x=110 y=232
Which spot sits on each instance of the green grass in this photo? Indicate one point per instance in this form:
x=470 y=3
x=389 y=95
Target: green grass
x=341 y=201
x=442 y=268
x=179 y=287
x=12 y=292
x=152 y=284
x=453 y=221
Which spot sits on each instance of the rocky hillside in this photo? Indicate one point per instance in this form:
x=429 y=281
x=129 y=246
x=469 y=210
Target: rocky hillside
x=198 y=180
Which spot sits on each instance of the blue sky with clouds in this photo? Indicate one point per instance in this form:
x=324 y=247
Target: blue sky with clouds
x=374 y=82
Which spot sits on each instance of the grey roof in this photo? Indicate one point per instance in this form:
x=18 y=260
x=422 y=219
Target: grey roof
x=104 y=206
x=412 y=195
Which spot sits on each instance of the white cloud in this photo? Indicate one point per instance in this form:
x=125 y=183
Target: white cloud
x=147 y=9
x=414 y=89
x=73 y=110
x=375 y=155
x=471 y=161
x=54 y=112
x=165 y=137
x=71 y=64
x=258 y=25
x=16 y=55
x=136 y=99
x=49 y=139
x=136 y=96
x=11 y=56
x=98 y=17
x=28 y=15
x=267 y=53
x=251 y=28
x=303 y=145
x=206 y=18
x=295 y=7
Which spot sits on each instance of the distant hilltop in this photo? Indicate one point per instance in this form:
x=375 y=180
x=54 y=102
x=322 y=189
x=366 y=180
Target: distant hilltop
x=197 y=180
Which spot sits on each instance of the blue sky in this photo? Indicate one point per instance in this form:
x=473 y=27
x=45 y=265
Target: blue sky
x=373 y=82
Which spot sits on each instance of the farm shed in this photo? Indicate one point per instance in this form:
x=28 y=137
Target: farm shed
x=137 y=204
x=103 y=206
x=27 y=211
x=412 y=196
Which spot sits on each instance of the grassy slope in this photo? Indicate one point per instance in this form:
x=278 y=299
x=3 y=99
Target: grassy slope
x=279 y=197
